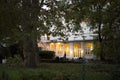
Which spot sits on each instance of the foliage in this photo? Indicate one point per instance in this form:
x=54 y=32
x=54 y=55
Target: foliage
x=97 y=49
x=106 y=17
x=47 y=71
x=103 y=17
x=9 y=20
x=16 y=60
x=26 y=20
x=46 y=54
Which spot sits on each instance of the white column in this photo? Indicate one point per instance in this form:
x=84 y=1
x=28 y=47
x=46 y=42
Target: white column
x=55 y=44
x=71 y=50
x=92 y=45
x=82 y=49
x=63 y=51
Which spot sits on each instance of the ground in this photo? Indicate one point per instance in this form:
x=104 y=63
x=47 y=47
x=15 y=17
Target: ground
x=61 y=71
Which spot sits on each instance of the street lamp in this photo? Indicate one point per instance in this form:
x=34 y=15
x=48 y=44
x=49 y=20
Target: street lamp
x=83 y=61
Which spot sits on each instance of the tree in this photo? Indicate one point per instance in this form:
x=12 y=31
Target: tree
x=103 y=17
x=32 y=18
x=111 y=31
x=8 y=18
x=26 y=19
x=36 y=19
x=30 y=11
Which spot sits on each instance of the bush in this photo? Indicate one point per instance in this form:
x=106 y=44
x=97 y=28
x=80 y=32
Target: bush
x=46 y=54
x=16 y=60
x=57 y=59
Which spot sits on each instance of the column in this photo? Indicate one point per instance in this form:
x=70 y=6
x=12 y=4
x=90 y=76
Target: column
x=82 y=49
x=63 y=49
x=71 y=50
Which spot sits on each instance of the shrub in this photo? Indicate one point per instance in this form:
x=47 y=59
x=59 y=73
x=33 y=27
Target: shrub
x=57 y=59
x=16 y=60
x=46 y=54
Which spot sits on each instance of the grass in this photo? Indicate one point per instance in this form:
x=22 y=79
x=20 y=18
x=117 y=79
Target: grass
x=59 y=71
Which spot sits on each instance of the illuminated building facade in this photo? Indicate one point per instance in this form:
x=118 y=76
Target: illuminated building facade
x=72 y=49
x=80 y=45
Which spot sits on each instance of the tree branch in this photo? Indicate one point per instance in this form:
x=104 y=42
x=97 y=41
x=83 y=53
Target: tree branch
x=41 y=3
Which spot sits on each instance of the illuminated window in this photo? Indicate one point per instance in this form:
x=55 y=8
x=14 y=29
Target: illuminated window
x=88 y=47
x=77 y=50
x=52 y=46
x=67 y=48
x=59 y=47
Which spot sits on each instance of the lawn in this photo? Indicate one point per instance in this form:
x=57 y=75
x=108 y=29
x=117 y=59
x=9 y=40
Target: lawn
x=61 y=71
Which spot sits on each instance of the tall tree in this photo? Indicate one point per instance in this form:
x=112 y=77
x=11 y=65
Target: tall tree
x=25 y=20
x=102 y=16
x=37 y=17
x=111 y=31
x=30 y=10
x=8 y=18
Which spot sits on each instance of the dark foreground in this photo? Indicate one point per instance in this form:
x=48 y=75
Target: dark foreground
x=61 y=71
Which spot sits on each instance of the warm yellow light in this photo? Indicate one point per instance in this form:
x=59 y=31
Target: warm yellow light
x=91 y=48
x=51 y=43
x=60 y=49
x=58 y=43
x=71 y=51
x=82 y=51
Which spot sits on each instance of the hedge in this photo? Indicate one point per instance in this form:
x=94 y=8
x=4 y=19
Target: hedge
x=46 y=54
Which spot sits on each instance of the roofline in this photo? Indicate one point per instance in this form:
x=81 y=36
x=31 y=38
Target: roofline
x=55 y=41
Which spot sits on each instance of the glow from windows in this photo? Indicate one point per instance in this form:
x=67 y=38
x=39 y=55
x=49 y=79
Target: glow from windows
x=82 y=52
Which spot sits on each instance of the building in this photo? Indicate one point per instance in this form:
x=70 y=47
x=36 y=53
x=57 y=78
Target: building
x=77 y=46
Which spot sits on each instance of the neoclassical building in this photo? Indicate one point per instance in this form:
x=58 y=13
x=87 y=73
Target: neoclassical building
x=72 y=49
x=80 y=45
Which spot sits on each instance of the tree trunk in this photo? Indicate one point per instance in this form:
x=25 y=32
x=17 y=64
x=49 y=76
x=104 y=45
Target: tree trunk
x=30 y=50
x=30 y=10
x=102 y=56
